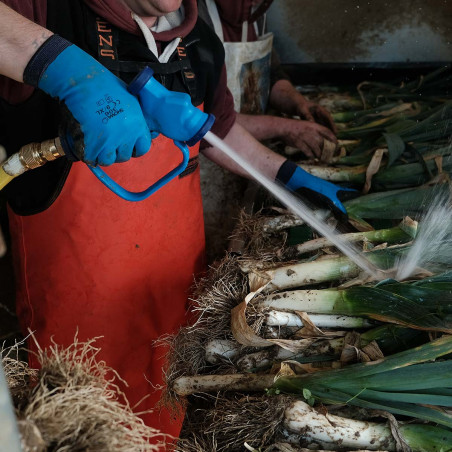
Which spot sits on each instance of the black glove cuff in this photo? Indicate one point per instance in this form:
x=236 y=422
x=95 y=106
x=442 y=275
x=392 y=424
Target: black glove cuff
x=285 y=172
x=43 y=57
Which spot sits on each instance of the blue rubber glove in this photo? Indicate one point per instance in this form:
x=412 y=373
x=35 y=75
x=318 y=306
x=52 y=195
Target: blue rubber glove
x=106 y=124
x=315 y=189
x=169 y=112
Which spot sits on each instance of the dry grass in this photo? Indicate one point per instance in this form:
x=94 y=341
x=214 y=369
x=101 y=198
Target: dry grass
x=19 y=377
x=73 y=404
x=260 y=248
x=217 y=294
x=228 y=423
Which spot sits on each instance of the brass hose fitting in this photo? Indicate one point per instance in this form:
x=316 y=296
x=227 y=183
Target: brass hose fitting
x=34 y=155
x=30 y=156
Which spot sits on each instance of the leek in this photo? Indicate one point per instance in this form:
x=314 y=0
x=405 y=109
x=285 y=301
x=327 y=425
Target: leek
x=394 y=177
x=395 y=204
x=405 y=232
x=320 y=270
x=394 y=338
x=331 y=430
x=405 y=383
x=325 y=350
x=278 y=318
x=219 y=350
x=390 y=339
x=419 y=307
x=184 y=386
x=429 y=87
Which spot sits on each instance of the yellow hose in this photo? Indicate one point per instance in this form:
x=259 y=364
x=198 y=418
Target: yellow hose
x=30 y=156
x=5 y=178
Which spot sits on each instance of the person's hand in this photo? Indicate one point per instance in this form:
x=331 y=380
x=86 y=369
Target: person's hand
x=106 y=123
x=316 y=190
x=307 y=136
x=310 y=111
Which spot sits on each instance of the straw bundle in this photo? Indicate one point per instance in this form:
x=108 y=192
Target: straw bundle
x=72 y=403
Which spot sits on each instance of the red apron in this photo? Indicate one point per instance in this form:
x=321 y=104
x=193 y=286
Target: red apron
x=102 y=266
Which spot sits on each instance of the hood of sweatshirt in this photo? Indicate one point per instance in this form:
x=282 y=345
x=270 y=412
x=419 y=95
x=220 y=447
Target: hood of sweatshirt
x=234 y=12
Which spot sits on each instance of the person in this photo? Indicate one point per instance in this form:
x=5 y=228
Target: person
x=86 y=261
x=267 y=104
x=240 y=24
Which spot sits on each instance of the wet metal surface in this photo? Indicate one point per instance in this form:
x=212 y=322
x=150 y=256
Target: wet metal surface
x=362 y=31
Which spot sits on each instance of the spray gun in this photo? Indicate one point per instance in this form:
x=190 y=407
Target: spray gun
x=167 y=112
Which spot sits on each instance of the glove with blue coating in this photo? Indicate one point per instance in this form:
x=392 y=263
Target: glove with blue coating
x=169 y=112
x=106 y=122
x=315 y=189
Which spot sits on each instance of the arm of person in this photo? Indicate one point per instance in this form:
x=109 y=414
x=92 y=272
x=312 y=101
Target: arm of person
x=34 y=55
x=241 y=140
x=307 y=136
x=20 y=38
x=285 y=98
x=276 y=168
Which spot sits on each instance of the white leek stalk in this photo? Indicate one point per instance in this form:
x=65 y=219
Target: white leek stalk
x=314 y=301
x=185 y=386
x=221 y=349
x=329 y=429
x=280 y=318
x=305 y=273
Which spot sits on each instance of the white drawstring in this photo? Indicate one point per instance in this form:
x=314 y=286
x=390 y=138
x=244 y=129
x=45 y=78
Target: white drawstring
x=150 y=41
x=216 y=21
x=169 y=50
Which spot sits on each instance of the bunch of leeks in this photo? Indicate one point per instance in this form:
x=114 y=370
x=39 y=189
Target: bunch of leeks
x=414 y=383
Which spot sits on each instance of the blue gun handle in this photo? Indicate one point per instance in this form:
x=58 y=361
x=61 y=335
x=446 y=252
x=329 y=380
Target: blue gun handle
x=140 y=196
